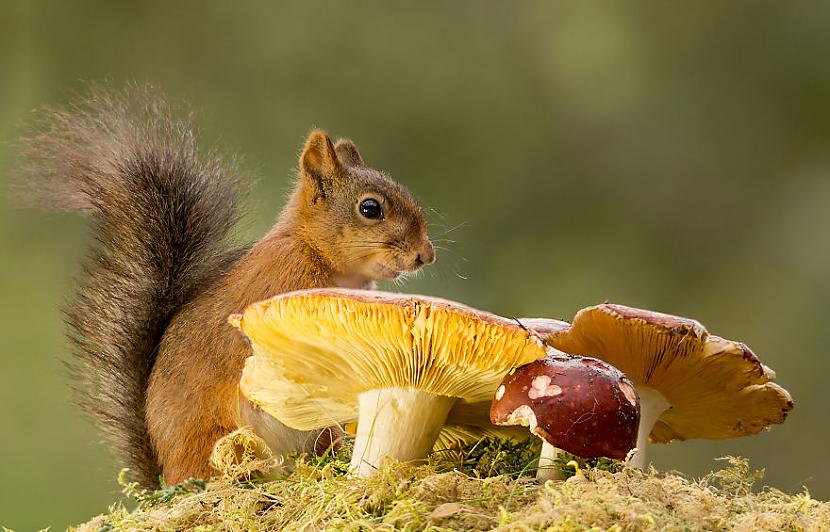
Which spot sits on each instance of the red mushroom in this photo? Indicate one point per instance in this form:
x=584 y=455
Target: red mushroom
x=581 y=405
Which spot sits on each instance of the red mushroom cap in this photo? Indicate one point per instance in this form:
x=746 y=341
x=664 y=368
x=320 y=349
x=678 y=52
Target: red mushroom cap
x=582 y=405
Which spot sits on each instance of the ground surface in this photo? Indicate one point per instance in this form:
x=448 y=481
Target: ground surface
x=489 y=486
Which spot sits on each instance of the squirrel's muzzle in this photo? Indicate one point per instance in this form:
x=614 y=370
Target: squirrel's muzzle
x=426 y=255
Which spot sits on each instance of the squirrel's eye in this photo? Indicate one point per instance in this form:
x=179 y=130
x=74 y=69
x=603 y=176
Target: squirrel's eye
x=370 y=208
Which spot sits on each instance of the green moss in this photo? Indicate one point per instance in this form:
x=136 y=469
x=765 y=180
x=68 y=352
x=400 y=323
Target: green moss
x=488 y=485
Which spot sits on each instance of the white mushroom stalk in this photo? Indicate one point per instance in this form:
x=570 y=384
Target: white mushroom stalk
x=548 y=470
x=401 y=423
x=652 y=406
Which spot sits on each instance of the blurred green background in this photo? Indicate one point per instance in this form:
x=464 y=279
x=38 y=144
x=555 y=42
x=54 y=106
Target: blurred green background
x=664 y=155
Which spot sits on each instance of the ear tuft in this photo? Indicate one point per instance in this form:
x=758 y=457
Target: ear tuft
x=347 y=153
x=318 y=160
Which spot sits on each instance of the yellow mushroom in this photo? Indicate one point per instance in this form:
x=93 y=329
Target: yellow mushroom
x=395 y=363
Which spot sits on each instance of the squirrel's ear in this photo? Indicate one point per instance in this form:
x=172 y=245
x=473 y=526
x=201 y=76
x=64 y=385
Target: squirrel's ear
x=319 y=160
x=347 y=153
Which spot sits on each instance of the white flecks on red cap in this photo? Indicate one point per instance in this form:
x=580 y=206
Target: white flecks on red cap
x=541 y=387
x=522 y=416
x=628 y=392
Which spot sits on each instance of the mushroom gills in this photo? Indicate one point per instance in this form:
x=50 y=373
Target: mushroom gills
x=398 y=423
x=652 y=406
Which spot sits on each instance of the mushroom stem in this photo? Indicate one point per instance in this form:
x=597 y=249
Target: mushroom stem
x=548 y=470
x=399 y=423
x=652 y=406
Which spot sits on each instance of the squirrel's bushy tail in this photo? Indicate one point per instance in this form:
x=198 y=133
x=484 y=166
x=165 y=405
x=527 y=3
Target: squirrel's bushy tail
x=162 y=215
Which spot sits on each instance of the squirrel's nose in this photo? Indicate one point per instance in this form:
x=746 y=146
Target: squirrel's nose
x=427 y=255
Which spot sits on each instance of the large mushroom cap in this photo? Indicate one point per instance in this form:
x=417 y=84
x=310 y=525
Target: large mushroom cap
x=715 y=388
x=578 y=404
x=316 y=351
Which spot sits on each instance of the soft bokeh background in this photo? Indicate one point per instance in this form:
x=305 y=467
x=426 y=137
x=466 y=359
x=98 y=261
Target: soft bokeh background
x=664 y=155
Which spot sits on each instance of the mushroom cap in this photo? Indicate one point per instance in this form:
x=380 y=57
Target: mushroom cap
x=581 y=405
x=315 y=351
x=717 y=388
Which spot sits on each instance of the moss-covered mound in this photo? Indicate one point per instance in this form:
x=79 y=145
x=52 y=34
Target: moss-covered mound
x=487 y=486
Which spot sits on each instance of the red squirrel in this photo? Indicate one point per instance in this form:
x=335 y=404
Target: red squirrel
x=158 y=363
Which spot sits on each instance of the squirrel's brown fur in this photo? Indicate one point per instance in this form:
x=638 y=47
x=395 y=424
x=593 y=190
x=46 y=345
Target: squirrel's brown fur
x=157 y=361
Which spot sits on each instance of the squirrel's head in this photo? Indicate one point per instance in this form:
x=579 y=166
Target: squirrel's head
x=365 y=224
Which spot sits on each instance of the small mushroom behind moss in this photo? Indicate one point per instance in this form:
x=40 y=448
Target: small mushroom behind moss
x=394 y=363
x=691 y=384
x=581 y=405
